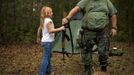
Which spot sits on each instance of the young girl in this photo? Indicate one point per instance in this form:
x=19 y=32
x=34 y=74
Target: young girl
x=48 y=30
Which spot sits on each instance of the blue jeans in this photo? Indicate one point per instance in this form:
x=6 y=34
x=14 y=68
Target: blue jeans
x=45 y=67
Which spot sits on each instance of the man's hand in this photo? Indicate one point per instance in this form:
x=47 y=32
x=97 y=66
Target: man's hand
x=64 y=21
x=113 y=32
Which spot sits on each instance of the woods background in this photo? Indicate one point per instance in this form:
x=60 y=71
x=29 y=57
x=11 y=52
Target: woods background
x=19 y=19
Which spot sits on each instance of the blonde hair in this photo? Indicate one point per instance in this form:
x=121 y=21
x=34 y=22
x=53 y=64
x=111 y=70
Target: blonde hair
x=45 y=11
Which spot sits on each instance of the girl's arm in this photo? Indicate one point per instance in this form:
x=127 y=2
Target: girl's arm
x=51 y=29
x=38 y=34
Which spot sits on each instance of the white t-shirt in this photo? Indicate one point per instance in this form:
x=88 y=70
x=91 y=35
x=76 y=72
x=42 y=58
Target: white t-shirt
x=46 y=36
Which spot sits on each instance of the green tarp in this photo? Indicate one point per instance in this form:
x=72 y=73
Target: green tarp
x=75 y=28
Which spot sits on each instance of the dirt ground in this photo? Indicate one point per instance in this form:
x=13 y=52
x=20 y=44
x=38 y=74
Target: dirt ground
x=25 y=60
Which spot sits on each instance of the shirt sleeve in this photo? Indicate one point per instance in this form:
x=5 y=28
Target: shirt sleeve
x=112 y=9
x=81 y=4
x=47 y=21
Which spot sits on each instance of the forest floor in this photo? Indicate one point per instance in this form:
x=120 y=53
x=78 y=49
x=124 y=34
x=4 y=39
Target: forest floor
x=25 y=60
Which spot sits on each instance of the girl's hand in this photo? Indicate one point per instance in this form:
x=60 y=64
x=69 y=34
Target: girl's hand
x=62 y=28
x=38 y=40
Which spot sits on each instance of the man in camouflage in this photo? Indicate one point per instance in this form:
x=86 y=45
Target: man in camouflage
x=96 y=17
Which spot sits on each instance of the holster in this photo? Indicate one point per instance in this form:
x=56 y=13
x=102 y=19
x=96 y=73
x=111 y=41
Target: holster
x=80 y=39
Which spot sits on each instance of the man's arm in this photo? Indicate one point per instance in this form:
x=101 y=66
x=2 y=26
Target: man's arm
x=114 y=21
x=114 y=25
x=75 y=10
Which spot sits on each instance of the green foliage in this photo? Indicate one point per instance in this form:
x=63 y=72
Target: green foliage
x=121 y=36
x=20 y=18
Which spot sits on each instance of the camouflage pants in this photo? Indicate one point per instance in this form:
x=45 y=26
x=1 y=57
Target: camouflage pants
x=89 y=39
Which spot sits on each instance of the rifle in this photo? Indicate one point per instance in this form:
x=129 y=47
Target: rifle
x=65 y=36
